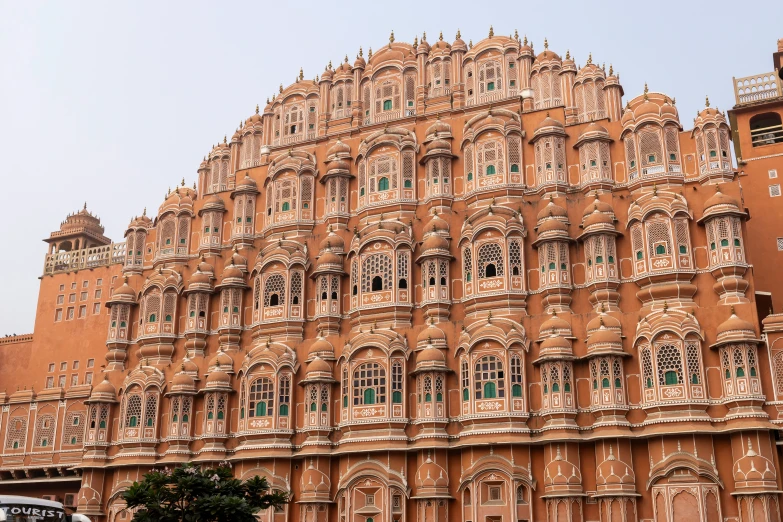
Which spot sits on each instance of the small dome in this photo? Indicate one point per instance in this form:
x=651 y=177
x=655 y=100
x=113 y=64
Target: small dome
x=602 y=206
x=719 y=198
x=439 y=127
x=339 y=149
x=238 y=259
x=321 y=348
x=734 y=325
x=551 y=210
x=218 y=378
x=549 y=122
x=332 y=242
x=359 y=63
x=437 y=224
x=104 y=391
x=561 y=474
x=555 y=344
x=603 y=336
x=438 y=144
x=555 y=325
x=232 y=272
x=329 y=258
x=199 y=277
x=605 y=320
x=597 y=218
x=431 y=335
x=594 y=131
x=338 y=164
x=221 y=360
x=124 y=290
x=318 y=365
x=246 y=183
x=182 y=382
x=213 y=203
x=434 y=242
x=430 y=354
x=550 y=225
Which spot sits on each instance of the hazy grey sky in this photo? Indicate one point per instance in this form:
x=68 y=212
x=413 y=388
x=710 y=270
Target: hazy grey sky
x=112 y=103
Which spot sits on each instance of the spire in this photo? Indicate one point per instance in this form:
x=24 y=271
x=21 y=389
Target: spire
x=646 y=90
x=459 y=35
x=611 y=70
x=546 y=44
x=391 y=39
x=590 y=58
x=415 y=42
x=568 y=54
x=281 y=87
x=707 y=101
x=346 y=59
x=470 y=44
x=440 y=36
x=424 y=36
x=85 y=205
x=301 y=72
x=360 y=51
x=524 y=41
x=491 y=31
x=516 y=35
x=369 y=54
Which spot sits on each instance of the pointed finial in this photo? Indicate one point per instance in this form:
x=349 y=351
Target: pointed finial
x=360 y=51
x=440 y=36
x=524 y=40
x=470 y=44
x=732 y=310
x=611 y=70
x=369 y=53
x=516 y=34
x=391 y=39
x=665 y=307
x=590 y=58
x=568 y=54
x=491 y=31
x=281 y=88
x=194 y=185
x=424 y=36
x=346 y=59
x=301 y=72
x=183 y=182
x=603 y=67
x=546 y=44
x=459 y=35
x=85 y=205
x=145 y=212
x=646 y=90
x=224 y=139
x=415 y=42
x=707 y=101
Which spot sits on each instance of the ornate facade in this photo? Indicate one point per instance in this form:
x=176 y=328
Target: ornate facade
x=447 y=282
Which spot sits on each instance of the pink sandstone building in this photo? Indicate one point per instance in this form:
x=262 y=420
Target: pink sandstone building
x=448 y=282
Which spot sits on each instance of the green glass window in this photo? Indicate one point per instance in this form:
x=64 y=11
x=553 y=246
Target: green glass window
x=387 y=105
x=660 y=249
x=369 y=396
x=102 y=425
x=673 y=157
x=192 y=313
x=469 y=277
x=239 y=220
x=206 y=230
x=516 y=390
x=152 y=318
x=490 y=169
x=286 y=206
x=383 y=184
x=752 y=371
x=323 y=406
x=695 y=378
x=639 y=255
x=168 y=318
x=724 y=242
x=728 y=373
x=313 y=407
x=345 y=401
x=599 y=259
x=740 y=372
x=595 y=384
x=713 y=154
x=555 y=387
x=611 y=259
x=470 y=176
x=651 y=158
x=589 y=262
x=618 y=383
x=648 y=384
x=133 y=421
x=427 y=397
x=514 y=168
x=220 y=415
x=512 y=83
x=604 y=383
x=670 y=377
x=633 y=163
x=683 y=249
x=736 y=242
x=490 y=86
x=567 y=387
x=73 y=440
x=168 y=241
x=409 y=184
x=16 y=444
x=44 y=443
x=261 y=409
x=562 y=266
x=397 y=397
x=361 y=192
x=284 y=409
x=439 y=397
x=592 y=163
x=242 y=413
x=149 y=421
x=210 y=416
x=712 y=245
x=465 y=394
x=490 y=391
x=546 y=389
x=552 y=266
x=182 y=241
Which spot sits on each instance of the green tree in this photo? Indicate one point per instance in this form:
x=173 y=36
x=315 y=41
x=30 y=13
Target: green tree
x=192 y=494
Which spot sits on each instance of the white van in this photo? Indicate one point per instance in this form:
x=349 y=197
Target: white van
x=30 y=509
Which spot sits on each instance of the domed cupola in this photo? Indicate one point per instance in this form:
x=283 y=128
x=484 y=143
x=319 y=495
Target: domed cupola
x=754 y=473
x=722 y=220
x=553 y=254
x=79 y=230
x=615 y=477
x=712 y=136
x=561 y=476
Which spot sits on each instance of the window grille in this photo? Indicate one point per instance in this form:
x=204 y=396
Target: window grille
x=369 y=384
x=16 y=436
x=376 y=265
x=274 y=285
x=261 y=399
x=489 y=378
x=774 y=191
x=490 y=254
x=669 y=362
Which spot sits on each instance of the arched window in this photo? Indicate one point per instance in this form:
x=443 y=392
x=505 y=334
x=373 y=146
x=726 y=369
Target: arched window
x=377 y=284
x=489 y=378
x=369 y=384
x=284 y=395
x=261 y=398
x=490 y=170
x=669 y=365
x=490 y=260
x=397 y=382
x=465 y=381
x=516 y=376
x=383 y=184
x=286 y=206
x=274 y=290
x=376 y=267
x=133 y=410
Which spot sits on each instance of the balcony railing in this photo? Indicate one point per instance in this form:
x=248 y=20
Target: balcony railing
x=760 y=87
x=113 y=253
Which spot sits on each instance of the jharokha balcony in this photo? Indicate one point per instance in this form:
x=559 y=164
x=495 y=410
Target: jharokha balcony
x=92 y=257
